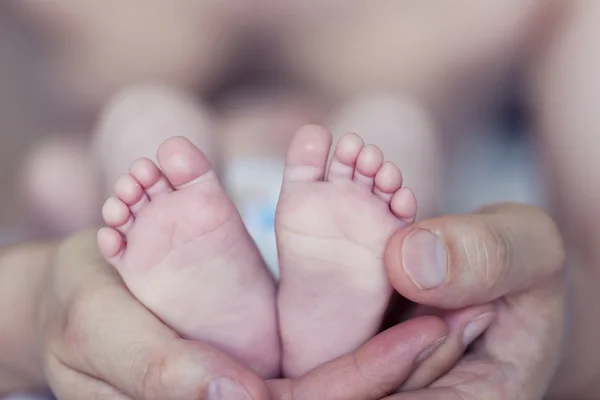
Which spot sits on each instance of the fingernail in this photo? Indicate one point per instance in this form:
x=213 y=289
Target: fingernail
x=226 y=389
x=428 y=351
x=424 y=259
x=476 y=327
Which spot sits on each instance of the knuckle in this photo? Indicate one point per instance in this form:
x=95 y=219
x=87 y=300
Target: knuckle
x=65 y=336
x=487 y=253
x=153 y=377
x=499 y=254
x=84 y=303
x=555 y=250
x=159 y=378
x=51 y=359
x=537 y=230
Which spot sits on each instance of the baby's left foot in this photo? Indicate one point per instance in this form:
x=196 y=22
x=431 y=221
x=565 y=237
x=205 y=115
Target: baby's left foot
x=332 y=229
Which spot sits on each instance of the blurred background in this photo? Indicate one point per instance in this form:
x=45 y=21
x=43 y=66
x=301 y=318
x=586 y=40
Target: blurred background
x=444 y=87
x=477 y=101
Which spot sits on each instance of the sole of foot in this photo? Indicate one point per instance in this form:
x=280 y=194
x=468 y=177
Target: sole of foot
x=332 y=226
x=182 y=249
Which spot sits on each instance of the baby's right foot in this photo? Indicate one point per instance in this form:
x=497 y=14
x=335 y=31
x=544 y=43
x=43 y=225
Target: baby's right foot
x=183 y=251
x=331 y=233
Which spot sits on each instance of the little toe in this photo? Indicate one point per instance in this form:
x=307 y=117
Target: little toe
x=306 y=159
x=150 y=177
x=404 y=204
x=368 y=164
x=131 y=192
x=344 y=158
x=116 y=214
x=110 y=243
x=183 y=163
x=387 y=181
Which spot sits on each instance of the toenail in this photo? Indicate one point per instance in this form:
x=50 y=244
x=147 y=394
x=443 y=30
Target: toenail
x=424 y=259
x=226 y=389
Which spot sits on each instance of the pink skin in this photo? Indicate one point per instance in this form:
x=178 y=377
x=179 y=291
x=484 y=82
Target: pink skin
x=332 y=228
x=183 y=251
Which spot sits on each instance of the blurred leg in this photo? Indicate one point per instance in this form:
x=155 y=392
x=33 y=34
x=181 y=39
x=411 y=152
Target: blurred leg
x=60 y=186
x=137 y=120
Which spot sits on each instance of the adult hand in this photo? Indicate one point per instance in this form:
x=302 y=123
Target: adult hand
x=508 y=254
x=97 y=341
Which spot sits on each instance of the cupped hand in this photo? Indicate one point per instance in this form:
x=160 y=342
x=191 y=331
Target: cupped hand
x=510 y=255
x=98 y=341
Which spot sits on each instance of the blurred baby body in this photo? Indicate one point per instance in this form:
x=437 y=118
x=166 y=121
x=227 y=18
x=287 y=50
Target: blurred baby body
x=257 y=129
x=370 y=42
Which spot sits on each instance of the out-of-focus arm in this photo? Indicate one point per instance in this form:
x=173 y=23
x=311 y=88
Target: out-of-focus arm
x=22 y=273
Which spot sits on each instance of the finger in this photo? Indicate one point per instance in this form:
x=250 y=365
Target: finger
x=376 y=369
x=108 y=335
x=478 y=381
x=516 y=357
x=465 y=326
x=457 y=261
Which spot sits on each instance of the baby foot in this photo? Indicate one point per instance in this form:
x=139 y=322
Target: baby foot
x=331 y=232
x=183 y=251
